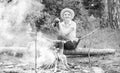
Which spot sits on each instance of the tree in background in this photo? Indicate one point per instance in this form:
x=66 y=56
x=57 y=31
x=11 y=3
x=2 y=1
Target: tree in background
x=114 y=13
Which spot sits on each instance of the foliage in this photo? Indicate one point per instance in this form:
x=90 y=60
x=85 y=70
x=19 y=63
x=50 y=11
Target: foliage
x=95 y=7
x=83 y=10
x=53 y=7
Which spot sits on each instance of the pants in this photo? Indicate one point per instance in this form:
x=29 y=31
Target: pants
x=69 y=45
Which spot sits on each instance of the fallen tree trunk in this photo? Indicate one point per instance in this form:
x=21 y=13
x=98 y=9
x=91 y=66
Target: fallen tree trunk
x=79 y=51
x=91 y=51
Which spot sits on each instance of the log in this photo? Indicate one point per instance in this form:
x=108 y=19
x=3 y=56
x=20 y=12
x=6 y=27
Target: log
x=78 y=51
x=84 y=51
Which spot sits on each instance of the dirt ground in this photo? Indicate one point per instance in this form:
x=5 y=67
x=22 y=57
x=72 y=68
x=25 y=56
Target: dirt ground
x=109 y=63
x=79 y=64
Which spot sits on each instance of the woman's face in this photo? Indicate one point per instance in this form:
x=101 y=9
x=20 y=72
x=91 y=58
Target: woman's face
x=67 y=15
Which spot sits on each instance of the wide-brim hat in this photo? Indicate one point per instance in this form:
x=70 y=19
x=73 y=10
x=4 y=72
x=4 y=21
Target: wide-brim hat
x=67 y=10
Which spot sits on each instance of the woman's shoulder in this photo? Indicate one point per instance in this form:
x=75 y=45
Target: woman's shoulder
x=61 y=22
x=73 y=22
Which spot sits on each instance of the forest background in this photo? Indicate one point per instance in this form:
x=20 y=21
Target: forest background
x=90 y=15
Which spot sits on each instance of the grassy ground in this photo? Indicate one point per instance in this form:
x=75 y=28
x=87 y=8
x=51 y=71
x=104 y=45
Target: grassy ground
x=105 y=38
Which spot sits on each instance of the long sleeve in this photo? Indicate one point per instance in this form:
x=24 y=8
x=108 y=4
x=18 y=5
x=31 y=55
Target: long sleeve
x=69 y=32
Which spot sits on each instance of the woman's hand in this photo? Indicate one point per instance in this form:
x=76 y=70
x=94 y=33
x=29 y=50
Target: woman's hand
x=57 y=19
x=56 y=22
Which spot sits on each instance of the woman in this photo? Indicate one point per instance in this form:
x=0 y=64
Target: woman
x=67 y=29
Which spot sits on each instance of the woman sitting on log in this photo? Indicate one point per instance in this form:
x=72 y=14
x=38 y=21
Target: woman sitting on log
x=67 y=29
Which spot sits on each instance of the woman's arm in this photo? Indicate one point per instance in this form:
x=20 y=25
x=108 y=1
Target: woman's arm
x=72 y=28
x=69 y=31
x=56 y=23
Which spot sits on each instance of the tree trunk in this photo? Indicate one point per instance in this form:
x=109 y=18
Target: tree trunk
x=114 y=13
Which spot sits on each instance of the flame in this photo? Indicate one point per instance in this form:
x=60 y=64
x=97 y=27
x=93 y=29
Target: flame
x=46 y=56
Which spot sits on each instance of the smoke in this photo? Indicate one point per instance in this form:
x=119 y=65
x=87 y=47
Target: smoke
x=13 y=26
x=16 y=16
